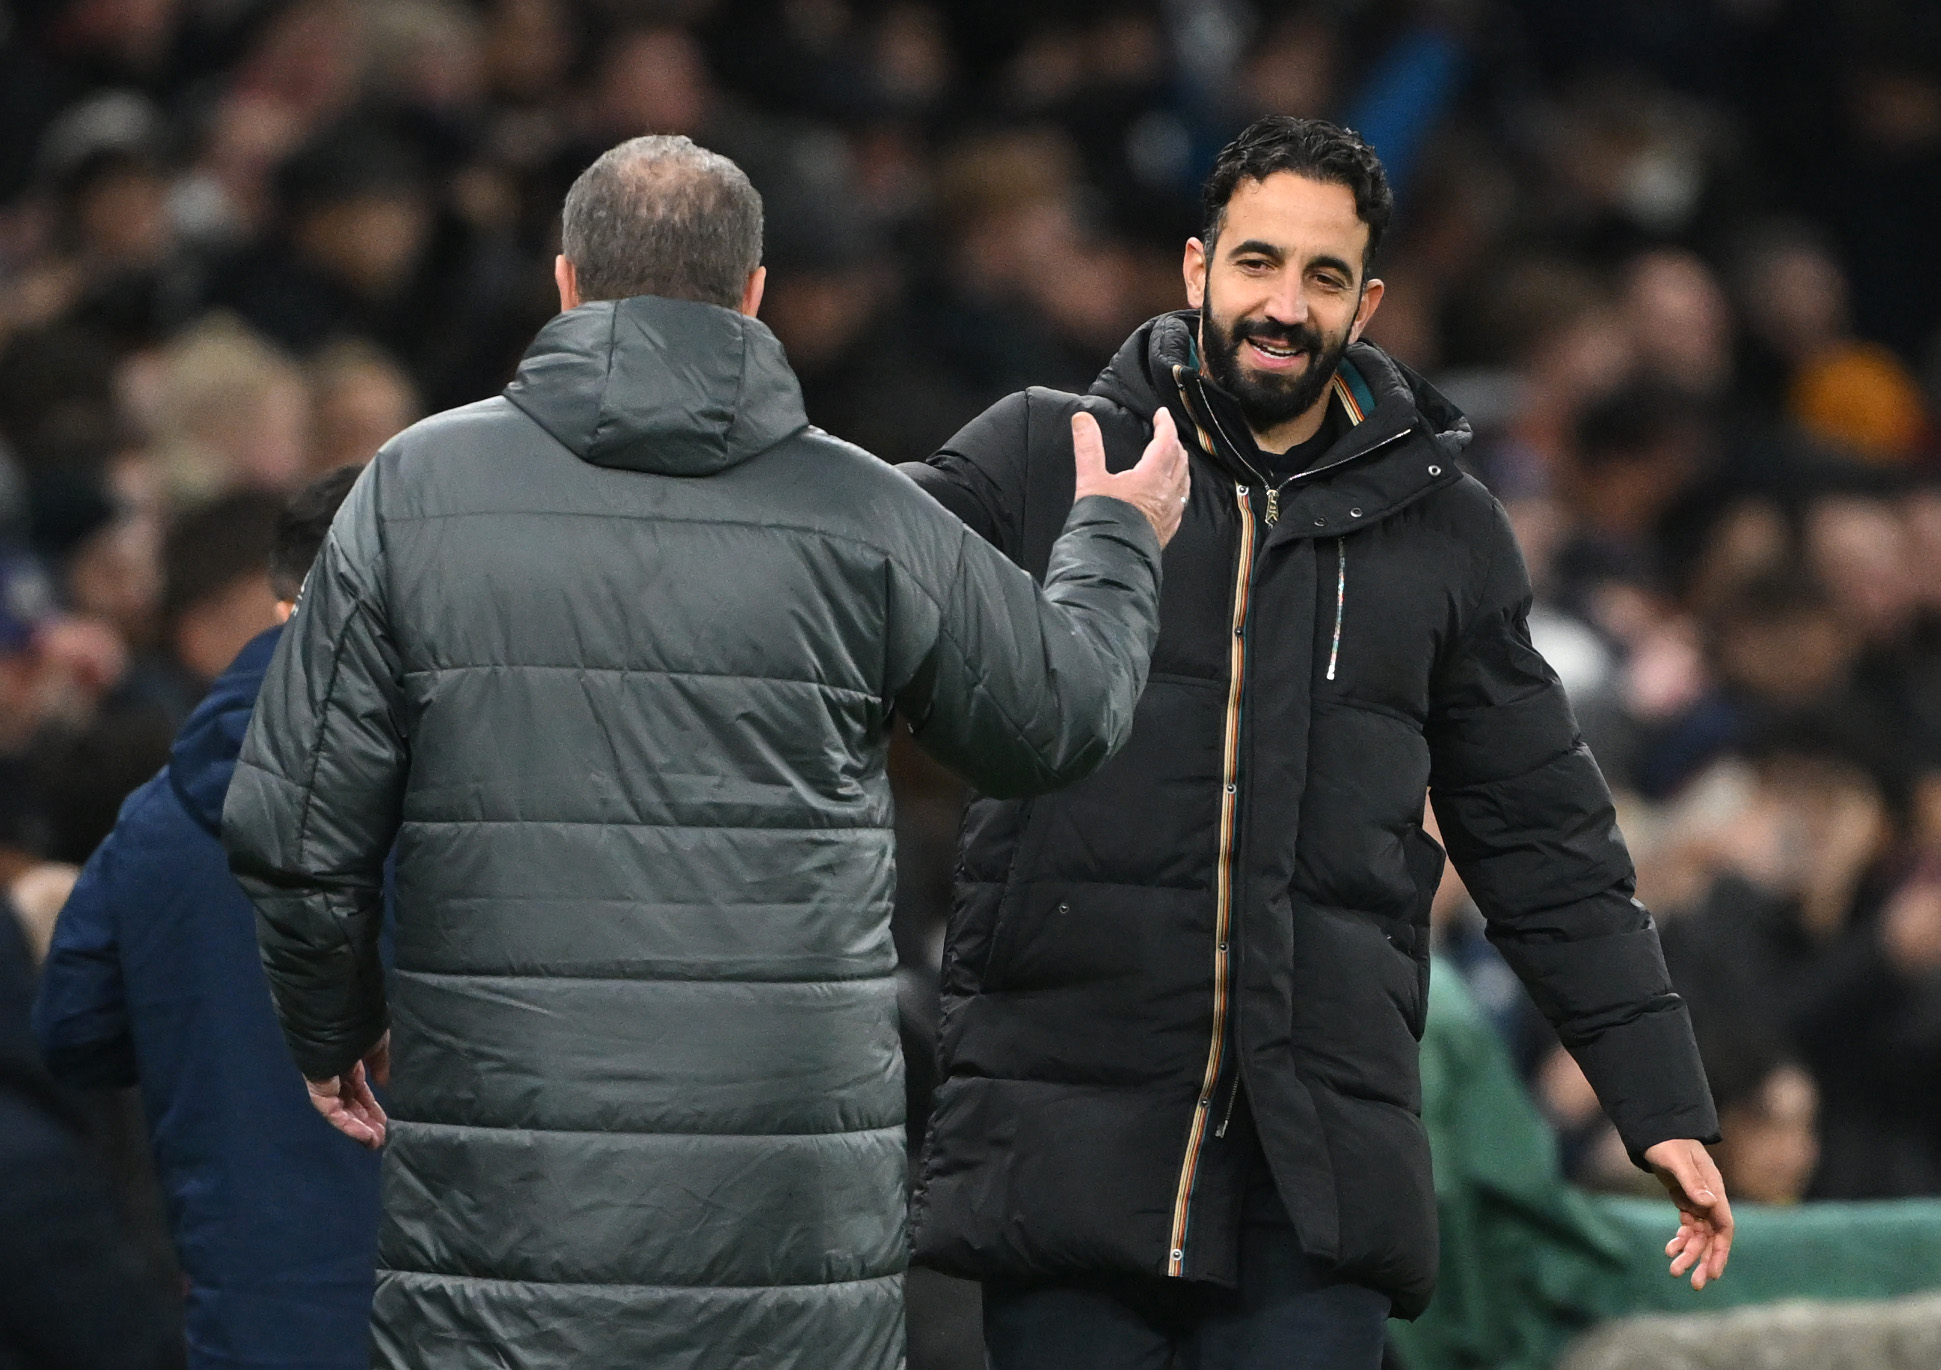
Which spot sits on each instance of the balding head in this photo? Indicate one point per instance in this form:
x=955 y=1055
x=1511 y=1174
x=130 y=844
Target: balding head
x=663 y=216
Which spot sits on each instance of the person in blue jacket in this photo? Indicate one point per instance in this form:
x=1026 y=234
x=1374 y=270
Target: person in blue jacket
x=153 y=980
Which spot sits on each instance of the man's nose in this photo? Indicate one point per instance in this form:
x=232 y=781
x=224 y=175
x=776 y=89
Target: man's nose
x=1288 y=304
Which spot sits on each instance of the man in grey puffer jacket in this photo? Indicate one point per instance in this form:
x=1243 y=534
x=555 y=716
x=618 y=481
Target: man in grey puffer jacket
x=610 y=660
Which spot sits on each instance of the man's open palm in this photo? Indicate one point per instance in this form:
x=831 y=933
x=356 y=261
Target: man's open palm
x=1157 y=487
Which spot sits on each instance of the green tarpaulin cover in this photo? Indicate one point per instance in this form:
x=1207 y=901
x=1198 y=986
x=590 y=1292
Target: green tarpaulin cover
x=1529 y=1260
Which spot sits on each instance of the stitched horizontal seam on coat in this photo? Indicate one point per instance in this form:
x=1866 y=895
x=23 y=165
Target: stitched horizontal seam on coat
x=1062 y=1082
x=687 y=1290
x=635 y=978
x=1493 y=781
x=640 y=670
x=633 y=1134
x=1079 y=882
x=1365 y=706
x=763 y=529
x=636 y=823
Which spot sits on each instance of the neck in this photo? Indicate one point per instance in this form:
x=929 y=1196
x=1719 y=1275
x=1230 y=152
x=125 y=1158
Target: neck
x=1298 y=429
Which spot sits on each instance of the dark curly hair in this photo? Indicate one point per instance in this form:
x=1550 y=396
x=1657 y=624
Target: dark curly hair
x=1313 y=148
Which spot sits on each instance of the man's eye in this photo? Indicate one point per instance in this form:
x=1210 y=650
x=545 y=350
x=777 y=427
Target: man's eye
x=1255 y=264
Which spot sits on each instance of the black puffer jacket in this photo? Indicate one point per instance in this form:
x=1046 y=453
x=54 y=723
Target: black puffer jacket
x=611 y=659
x=1240 y=899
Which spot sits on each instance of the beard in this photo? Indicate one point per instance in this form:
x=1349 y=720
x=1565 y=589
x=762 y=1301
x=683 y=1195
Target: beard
x=1265 y=399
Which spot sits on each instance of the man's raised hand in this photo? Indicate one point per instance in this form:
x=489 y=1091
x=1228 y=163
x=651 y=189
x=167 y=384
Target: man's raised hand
x=1157 y=487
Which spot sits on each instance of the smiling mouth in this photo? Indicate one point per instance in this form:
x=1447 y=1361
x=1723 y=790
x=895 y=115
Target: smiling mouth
x=1275 y=356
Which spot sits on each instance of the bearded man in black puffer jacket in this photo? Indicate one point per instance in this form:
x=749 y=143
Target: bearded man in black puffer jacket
x=1179 y=1105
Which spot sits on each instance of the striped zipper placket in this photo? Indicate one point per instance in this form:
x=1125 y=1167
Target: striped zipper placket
x=1230 y=786
x=1223 y=888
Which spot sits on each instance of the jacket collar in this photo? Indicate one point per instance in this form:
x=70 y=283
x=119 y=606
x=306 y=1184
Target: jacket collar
x=653 y=384
x=1406 y=445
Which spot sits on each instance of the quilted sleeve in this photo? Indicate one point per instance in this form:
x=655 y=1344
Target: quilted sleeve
x=1022 y=688
x=1530 y=826
x=316 y=799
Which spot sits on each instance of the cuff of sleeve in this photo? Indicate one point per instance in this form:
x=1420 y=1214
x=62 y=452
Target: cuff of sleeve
x=1648 y=1076
x=318 y=1061
x=1126 y=519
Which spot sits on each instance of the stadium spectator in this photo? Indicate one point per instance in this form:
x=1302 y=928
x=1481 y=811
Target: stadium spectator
x=354 y=217
x=216 y=596
x=230 y=413
x=359 y=399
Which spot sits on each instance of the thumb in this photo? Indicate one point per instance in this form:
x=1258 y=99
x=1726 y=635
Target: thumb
x=1691 y=1179
x=1164 y=447
x=1088 y=449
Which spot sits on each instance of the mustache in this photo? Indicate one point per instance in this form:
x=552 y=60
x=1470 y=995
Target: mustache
x=1305 y=337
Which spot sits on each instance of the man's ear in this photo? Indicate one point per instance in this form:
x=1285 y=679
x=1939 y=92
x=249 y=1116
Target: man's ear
x=1371 y=299
x=567 y=277
x=751 y=294
x=1193 y=270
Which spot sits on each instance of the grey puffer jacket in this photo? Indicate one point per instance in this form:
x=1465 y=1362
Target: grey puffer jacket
x=610 y=659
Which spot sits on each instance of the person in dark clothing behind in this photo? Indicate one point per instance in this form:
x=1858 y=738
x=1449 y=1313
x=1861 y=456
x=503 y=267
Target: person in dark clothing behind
x=1180 y=1109
x=1828 y=943
x=216 y=597
x=153 y=980
x=73 y=1294
x=356 y=216
x=835 y=302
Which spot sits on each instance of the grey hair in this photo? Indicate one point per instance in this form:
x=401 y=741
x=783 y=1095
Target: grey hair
x=661 y=215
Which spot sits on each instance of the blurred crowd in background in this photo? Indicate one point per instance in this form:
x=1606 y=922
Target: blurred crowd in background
x=1675 y=258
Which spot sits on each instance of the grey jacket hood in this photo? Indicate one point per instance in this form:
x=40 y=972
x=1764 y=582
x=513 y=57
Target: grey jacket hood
x=653 y=384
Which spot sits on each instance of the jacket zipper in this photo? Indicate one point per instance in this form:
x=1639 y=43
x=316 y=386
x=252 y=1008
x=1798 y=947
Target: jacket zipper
x=1233 y=1100
x=1340 y=600
x=1223 y=887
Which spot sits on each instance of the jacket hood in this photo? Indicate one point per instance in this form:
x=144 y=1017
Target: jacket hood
x=205 y=751
x=1160 y=364
x=652 y=384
